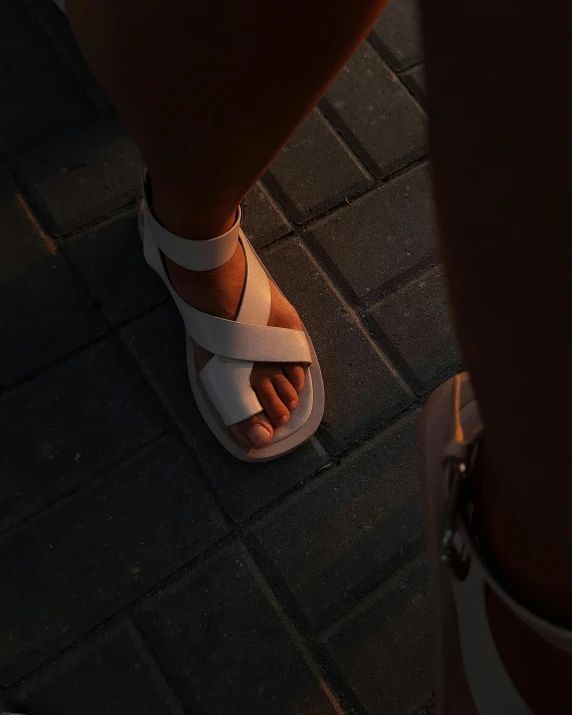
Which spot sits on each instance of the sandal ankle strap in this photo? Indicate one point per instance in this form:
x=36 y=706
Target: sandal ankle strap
x=193 y=255
x=556 y=635
x=460 y=545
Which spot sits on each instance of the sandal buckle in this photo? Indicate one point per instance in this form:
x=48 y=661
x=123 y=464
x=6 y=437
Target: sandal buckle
x=453 y=552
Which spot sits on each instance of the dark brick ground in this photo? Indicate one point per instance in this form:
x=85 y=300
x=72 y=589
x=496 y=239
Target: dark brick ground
x=397 y=34
x=374 y=112
x=142 y=569
x=307 y=187
x=415 y=320
x=414 y=80
x=38 y=94
x=384 y=649
x=111 y=671
x=225 y=646
x=77 y=179
x=45 y=311
x=344 y=533
x=109 y=260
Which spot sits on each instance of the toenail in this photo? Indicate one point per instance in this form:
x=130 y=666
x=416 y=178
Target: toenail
x=258 y=435
x=282 y=420
x=292 y=405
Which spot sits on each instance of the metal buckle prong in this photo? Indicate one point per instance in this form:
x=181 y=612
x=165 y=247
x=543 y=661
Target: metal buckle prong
x=451 y=554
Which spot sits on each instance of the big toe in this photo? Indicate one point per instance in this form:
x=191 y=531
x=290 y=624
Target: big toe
x=255 y=432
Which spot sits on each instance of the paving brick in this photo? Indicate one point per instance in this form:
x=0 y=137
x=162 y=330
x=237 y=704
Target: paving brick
x=386 y=653
x=224 y=647
x=362 y=391
x=82 y=177
x=397 y=34
x=110 y=672
x=346 y=531
x=263 y=222
x=376 y=115
x=56 y=29
x=37 y=95
x=429 y=709
x=314 y=171
x=414 y=80
x=157 y=341
x=109 y=259
x=417 y=321
x=383 y=237
x=60 y=428
x=44 y=312
x=89 y=555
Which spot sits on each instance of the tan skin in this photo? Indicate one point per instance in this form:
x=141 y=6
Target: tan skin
x=211 y=92
x=502 y=151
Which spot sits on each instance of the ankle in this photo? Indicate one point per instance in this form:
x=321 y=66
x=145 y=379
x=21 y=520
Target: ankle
x=531 y=552
x=217 y=291
x=190 y=218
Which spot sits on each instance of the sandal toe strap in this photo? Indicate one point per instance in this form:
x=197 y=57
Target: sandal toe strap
x=227 y=384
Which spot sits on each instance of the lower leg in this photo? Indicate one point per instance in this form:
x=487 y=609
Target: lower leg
x=501 y=158
x=501 y=149
x=211 y=91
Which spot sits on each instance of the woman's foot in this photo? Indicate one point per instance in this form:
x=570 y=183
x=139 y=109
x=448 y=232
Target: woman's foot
x=277 y=386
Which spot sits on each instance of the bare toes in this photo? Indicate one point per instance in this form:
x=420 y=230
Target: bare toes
x=285 y=391
x=256 y=431
x=295 y=373
x=273 y=406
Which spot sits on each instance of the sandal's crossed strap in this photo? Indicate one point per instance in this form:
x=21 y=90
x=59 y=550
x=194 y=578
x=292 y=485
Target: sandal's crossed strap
x=236 y=345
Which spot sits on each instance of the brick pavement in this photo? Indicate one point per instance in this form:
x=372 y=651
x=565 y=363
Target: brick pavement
x=142 y=569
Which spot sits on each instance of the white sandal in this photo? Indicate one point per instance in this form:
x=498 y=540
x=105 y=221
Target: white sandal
x=222 y=388
x=449 y=436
